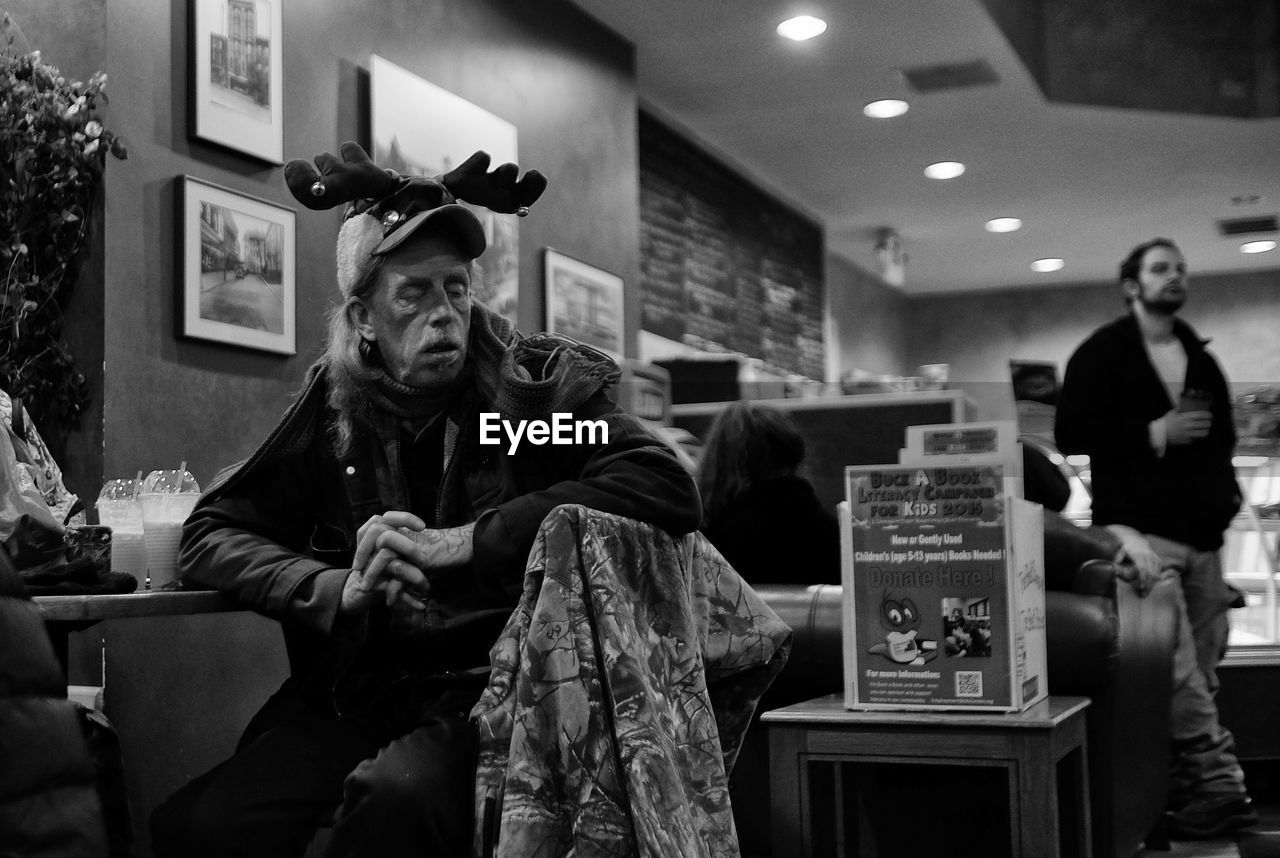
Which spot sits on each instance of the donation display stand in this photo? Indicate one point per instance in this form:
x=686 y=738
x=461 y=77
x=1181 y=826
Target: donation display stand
x=944 y=576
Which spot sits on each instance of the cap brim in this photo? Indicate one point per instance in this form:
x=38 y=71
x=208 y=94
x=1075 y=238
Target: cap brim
x=455 y=221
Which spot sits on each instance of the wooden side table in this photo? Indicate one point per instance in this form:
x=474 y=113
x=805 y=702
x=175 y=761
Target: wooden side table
x=1030 y=745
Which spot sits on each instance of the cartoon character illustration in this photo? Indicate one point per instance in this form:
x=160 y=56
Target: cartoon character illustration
x=902 y=619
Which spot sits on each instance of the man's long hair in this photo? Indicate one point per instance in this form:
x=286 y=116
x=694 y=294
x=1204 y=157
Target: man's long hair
x=747 y=445
x=351 y=363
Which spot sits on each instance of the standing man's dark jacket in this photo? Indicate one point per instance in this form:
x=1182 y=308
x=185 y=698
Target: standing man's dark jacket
x=280 y=533
x=1110 y=395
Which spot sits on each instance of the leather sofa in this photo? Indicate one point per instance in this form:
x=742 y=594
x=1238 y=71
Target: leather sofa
x=1104 y=642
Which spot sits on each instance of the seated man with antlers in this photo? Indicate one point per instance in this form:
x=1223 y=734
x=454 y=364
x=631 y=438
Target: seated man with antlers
x=389 y=534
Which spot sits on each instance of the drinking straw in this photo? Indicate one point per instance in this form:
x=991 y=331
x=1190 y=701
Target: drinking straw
x=182 y=476
x=137 y=484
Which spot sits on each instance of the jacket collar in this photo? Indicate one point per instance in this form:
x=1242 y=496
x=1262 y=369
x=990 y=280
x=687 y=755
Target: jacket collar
x=1191 y=341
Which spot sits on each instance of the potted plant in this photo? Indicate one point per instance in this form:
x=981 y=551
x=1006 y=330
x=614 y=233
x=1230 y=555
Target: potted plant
x=52 y=153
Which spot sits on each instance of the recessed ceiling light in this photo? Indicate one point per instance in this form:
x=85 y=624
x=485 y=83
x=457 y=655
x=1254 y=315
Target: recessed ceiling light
x=1261 y=246
x=1249 y=461
x=944 y=170
x=1004 y=224
x=802 y=27
x=885 y=108
x=1048 y=264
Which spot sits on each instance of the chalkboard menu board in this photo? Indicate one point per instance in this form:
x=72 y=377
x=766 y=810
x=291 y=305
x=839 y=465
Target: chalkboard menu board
x=724 y=267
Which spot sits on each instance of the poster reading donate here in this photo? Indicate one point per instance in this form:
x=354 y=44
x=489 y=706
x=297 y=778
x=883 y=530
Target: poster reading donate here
x=930 y=587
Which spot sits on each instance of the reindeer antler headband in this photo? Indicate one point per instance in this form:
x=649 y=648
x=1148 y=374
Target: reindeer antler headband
x=385 y=207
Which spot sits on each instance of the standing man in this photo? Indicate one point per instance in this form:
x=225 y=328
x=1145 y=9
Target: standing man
x=389 y=537
x=1148 y=404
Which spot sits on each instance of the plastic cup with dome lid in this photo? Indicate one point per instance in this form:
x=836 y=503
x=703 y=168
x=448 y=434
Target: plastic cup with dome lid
x=167 y=498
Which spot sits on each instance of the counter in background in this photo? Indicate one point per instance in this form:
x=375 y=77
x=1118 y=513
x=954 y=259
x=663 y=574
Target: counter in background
x=859 y=429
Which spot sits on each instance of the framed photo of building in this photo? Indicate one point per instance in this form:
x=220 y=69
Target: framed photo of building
x=237 y=76
x=237 y=265
x=583 y=302
x=421 y=129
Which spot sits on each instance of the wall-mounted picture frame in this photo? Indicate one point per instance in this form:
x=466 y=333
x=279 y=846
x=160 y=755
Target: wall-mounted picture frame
x=583 y=302
x=237 y=76
x=237 y=268
x=421 y=129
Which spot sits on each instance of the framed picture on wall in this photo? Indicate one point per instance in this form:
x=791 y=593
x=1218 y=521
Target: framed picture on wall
x=237 y=76
x=583 y=302
x=237 y=268
x=422 y=129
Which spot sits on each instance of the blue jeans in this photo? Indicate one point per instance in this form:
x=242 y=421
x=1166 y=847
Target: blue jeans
x=1204 y=760
x=1208 y=599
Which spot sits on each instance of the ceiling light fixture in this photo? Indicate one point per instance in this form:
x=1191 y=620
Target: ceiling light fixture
x=1048 y=264
x=1261 y=246
x=1004 y=224
x=944 y=170
x=802 y=27
x=885 y=108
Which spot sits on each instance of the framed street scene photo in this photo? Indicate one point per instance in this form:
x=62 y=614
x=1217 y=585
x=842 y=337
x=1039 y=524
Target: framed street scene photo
x=583 y=302
x=237 y=76
x=237 y=268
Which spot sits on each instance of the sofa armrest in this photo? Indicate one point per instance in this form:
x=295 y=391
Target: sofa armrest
x=1099 y=578
x=1083 y=643
x=1117 y=649
x=815 y=665
x=814 y=615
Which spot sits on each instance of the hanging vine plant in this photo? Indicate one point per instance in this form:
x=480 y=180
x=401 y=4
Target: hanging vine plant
x=52 y=154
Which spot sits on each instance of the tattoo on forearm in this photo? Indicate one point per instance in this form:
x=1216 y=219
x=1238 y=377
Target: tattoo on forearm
x=451 y=544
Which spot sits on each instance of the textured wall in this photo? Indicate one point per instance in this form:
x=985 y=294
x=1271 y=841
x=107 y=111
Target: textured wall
x=868 y=321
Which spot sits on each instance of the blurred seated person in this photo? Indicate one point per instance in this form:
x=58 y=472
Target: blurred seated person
x=758 y=511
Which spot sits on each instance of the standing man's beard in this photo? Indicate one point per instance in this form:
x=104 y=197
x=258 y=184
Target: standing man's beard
x=1163 y=304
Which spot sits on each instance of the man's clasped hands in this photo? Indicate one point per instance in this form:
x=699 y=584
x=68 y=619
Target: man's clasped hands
x=397 y=556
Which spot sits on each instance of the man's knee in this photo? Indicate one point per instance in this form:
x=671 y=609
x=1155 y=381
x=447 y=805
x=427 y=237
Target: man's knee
x=421 y=786
x=399 y=780
x=189 y=823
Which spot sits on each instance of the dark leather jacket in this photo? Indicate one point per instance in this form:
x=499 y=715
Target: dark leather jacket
x=1110 y=394
x=279 y=532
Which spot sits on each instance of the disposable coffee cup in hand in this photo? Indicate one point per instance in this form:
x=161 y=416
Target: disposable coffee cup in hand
x=1194 y=400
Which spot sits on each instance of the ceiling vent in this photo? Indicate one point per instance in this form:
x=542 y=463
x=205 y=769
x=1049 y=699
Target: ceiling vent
x=1248 y=225
x=950 y=75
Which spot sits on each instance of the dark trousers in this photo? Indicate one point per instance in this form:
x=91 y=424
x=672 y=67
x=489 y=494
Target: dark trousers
x=401 y=785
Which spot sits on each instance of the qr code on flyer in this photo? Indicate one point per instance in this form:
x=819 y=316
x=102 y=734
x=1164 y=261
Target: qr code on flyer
x=968 y=683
